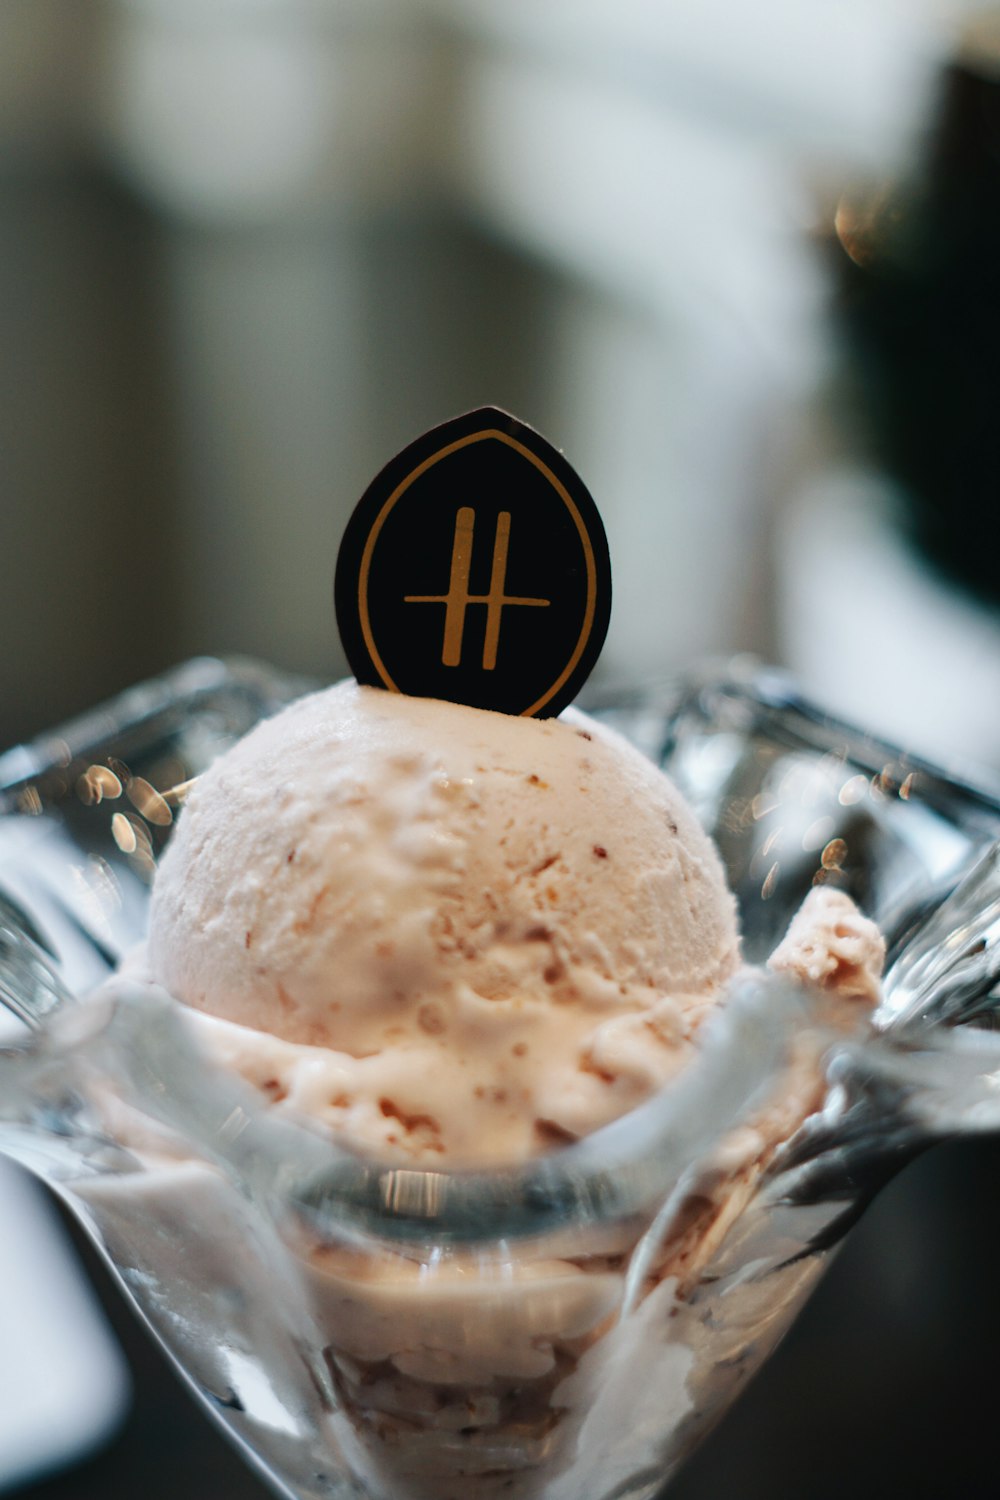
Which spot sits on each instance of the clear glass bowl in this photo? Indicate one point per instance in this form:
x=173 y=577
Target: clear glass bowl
x=563 y=1331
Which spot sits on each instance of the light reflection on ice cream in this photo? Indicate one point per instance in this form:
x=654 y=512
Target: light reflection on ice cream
x=463 y=939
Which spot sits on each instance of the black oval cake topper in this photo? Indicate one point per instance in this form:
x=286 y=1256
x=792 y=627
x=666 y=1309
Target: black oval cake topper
x=475 y=568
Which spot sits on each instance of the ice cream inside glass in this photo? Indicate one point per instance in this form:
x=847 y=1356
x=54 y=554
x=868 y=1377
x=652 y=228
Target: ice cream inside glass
x=462 y=942
x=439 y=1128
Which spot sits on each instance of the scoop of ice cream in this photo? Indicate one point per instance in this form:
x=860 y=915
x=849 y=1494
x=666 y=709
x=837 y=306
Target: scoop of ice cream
x=832 y=945
x=462 y=932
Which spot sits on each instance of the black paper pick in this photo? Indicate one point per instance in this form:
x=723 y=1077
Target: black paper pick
x=475 y=568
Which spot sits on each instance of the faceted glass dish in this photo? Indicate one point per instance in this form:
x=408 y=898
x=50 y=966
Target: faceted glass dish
x=566 y=1330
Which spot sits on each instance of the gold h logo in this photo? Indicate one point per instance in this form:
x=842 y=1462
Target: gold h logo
x=458 y=598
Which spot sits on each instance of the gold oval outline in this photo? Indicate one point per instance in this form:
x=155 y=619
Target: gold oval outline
x=567 y=499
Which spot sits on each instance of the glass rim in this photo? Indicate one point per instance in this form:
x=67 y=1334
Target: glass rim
x=616 y=1173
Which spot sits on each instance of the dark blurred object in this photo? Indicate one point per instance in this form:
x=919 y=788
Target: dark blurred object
x=87 y=534
x=921 y=310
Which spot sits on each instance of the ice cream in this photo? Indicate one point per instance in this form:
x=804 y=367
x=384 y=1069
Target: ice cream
x=463 y=939
x=463 y=934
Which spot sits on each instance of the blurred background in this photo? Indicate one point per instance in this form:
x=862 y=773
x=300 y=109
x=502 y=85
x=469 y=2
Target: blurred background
x=739 y=262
